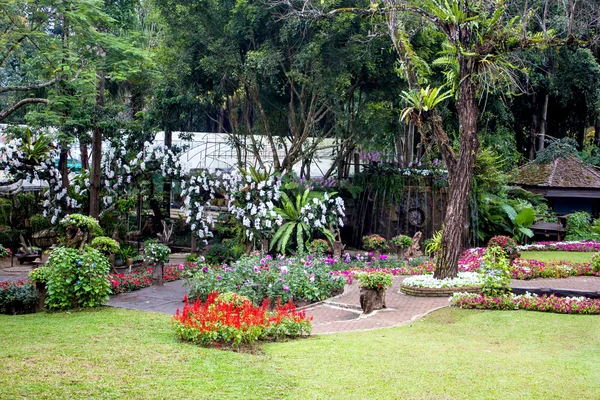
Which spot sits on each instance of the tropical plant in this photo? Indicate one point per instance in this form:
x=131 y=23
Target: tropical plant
x=434 y=245
x=299 y=222
x=156 y=253
x=579 y=227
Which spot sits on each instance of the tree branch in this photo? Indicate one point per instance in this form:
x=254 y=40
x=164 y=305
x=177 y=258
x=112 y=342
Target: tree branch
x=15 y=107
x=30 y=87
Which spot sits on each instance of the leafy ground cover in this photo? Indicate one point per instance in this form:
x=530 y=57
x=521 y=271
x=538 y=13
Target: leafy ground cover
x=450 y=354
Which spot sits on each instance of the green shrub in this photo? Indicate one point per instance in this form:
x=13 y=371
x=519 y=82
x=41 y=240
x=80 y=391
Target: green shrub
x=126 y=251
x=579 y=227
x=401 y=241
x=596 y=262
x=39 y=222
x=496 y=270
x=77 y=279
x=375 y=280
x=434 y=245
x=224 y=252
x=17 y=297
x=192 y=258
x=106 y=245
x=40 y=274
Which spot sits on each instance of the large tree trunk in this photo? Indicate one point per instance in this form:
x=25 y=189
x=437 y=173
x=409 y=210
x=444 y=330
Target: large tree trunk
x=543 y=123
x=97 y=152
x=534 y=127
x=167 y=180
x=85 y=160
x=460 y=175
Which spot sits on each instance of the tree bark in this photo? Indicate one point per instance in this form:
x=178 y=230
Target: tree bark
x=97 y=151
x=534 y=127
x=543 y=123
x=167 y=181
x=85 y=159
x=460 y=174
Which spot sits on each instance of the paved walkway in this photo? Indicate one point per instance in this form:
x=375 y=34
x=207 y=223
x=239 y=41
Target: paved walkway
x=342 y=313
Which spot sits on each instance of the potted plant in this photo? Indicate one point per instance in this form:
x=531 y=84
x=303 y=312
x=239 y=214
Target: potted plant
x=4 y=253
x=156 y=255
x=375 y=243
x=401 y=243
x=372 y=290
x=126 y=255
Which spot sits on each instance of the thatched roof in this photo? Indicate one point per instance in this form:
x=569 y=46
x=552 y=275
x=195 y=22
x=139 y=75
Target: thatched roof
x=568 y=172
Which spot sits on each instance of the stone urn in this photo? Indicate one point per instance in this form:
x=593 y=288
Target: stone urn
x=40 y=293
x=337 y=249
x=157 y=274
x=372 y=299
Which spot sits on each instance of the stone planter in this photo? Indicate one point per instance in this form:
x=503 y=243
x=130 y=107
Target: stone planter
x=437 y=292
x=337 y=249
x=40 y=293
x=157 y=274
x=399 y=252
x=264 y=246
x=371 y=299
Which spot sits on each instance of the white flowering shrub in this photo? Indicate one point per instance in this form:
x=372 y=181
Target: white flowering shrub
x=251 y=200
x=31 y=160
x=197 y=193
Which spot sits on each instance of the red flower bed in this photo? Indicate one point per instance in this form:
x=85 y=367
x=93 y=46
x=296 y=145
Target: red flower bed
x=231 y=319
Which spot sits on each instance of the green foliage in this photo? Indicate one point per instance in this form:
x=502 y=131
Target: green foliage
x=223 y=252
x=496 y=270
x=401 y=241
x=434 y=245
x=17 y=298
x=423 y=100
x=295 y=227
x=126 y=251
x=579 y=227
x=39 y=222
x=156 y=253
x=318 y=246
x=375 y=280
x=192 y=258
x=84 y=222
x=106 y=245
x=40 y=274
x=596 y=262
x=77 y=279
x=557 y=148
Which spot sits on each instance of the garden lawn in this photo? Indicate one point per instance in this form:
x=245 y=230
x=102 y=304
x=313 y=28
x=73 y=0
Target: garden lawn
x=450 y=354
x=552 y=256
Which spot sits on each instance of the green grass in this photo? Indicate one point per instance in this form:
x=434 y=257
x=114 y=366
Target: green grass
x=548 y=256
x=450 y=354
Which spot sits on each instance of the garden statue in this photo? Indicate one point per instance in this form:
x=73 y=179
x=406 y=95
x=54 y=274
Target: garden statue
x=415 y=248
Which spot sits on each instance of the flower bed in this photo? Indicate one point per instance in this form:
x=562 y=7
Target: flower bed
x=231 y=319
x=530 y=302
x=140 y=278
x=531 y=269
x=17 y=297
x=287 y=278
x=350 y=274
x=428 y=286
x=562 y=246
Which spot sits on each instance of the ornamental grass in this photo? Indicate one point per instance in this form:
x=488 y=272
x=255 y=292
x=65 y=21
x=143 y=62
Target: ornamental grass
x=233 y=320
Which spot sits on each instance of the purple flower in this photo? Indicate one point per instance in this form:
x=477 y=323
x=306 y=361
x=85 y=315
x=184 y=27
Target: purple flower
x=205 y=269
x=286 y=287
x=219 y=277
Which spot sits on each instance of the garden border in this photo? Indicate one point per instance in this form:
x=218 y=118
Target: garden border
x=437 y=292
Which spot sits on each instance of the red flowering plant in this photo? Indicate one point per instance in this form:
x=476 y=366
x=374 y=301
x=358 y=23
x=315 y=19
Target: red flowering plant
x=506 y=243
x=374 y=242
x=233 y=320
x=4 y=253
